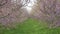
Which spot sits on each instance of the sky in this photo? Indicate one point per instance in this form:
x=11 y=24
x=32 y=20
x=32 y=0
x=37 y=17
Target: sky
x=29 y=5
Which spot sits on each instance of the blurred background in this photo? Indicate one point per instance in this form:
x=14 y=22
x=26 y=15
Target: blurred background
x=29 y=16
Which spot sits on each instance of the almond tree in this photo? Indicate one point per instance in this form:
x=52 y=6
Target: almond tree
x=12 y=11
x=48 y=10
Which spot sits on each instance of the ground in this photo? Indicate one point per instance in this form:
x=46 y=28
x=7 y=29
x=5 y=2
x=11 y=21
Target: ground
x=30 y=26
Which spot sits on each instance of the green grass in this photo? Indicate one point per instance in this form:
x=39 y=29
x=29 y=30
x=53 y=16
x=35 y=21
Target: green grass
x=30 y=26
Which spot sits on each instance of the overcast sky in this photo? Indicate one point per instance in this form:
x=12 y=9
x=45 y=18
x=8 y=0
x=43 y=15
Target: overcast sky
x=29 y=5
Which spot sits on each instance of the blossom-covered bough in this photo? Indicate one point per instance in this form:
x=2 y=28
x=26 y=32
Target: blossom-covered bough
x=49 y=11
x=12 y=12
